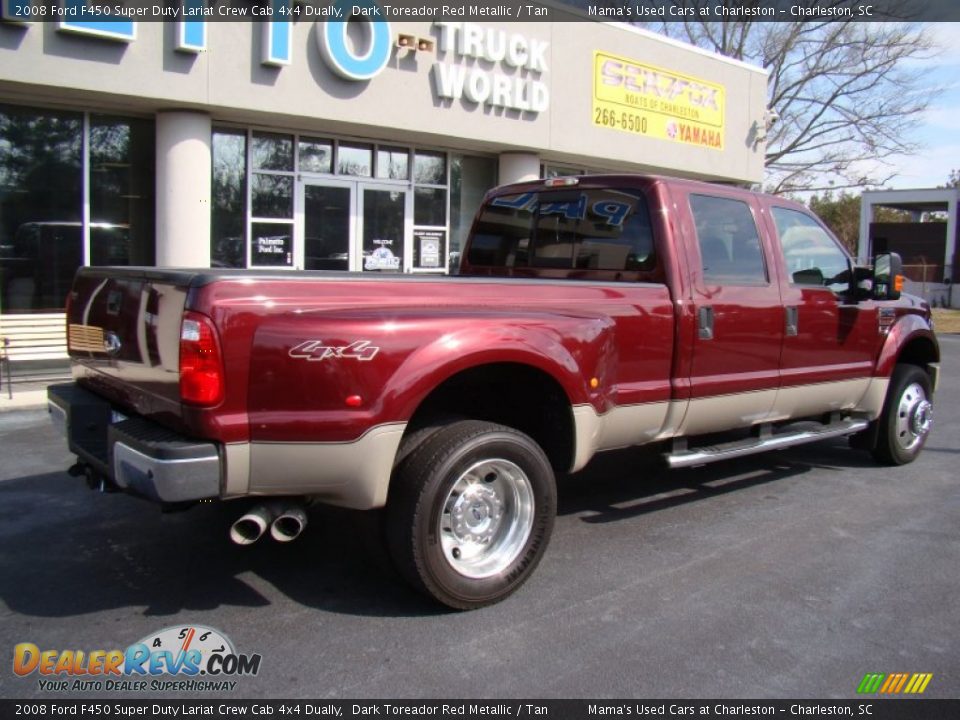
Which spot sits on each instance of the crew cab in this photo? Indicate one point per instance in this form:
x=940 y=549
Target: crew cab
x=590 y=313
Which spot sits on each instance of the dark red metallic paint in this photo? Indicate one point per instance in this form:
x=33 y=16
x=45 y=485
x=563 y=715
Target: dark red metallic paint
x=636 y=335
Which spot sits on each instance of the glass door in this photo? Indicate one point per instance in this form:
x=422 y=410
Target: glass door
x=383 y=237
x=328 y=212
x=349 y=225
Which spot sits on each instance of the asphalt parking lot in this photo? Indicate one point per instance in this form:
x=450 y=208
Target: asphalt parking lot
x=790 y=575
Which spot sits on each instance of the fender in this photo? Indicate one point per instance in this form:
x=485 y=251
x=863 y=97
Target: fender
x=907 y=329
x=533 y=344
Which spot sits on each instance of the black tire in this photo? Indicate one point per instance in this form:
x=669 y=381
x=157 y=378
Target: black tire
x=475 y=546
x=904 y=424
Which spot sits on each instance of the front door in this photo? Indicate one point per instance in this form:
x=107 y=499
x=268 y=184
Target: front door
x=353 y=225
x=829 y=346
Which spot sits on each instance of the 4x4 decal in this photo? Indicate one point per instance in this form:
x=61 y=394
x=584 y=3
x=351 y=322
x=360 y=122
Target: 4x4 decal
x=316 y=351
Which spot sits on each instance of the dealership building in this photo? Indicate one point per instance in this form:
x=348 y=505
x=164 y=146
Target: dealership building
x=322 y=144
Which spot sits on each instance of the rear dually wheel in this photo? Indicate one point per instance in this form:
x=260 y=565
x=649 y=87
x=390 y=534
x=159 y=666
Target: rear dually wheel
x=470 y=513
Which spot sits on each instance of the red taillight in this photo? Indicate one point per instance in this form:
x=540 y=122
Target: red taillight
x=201 y=367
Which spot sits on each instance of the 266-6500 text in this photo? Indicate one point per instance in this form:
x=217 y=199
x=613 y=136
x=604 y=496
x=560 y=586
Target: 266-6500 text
x=620 y=120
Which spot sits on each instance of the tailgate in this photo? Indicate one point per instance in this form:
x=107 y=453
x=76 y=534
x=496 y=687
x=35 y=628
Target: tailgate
x=123 y=335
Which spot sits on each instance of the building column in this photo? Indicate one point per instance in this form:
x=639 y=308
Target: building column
x=183 y=189
x=866 y=217
x=950 y=246
x=517 y=167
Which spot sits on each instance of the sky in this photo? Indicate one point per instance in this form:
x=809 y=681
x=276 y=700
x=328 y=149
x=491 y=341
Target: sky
x=938 y=129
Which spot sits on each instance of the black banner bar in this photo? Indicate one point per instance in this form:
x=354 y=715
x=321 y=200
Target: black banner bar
x=866 y=708
x=628 y=11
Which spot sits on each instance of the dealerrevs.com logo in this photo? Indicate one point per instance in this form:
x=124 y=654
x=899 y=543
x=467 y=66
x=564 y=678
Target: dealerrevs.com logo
x=193 y=658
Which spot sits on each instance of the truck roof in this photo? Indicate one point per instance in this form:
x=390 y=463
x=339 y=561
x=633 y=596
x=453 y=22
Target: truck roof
x=631 y=180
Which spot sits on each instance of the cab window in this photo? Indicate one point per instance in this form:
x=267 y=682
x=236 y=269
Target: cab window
x=588 y=230
x=812 y=257
x=730 y=252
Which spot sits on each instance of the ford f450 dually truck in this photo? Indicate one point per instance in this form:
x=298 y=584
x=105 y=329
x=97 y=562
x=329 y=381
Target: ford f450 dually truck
x=591 y=313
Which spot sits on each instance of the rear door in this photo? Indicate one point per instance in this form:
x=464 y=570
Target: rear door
x=739 y=317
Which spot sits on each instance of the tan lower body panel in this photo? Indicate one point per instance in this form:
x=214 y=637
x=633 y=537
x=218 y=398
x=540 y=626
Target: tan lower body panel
x=357 y=474
x=621 y=427
x=871 y=404
x=236 y=469
x=349 y=474
x=639 y=424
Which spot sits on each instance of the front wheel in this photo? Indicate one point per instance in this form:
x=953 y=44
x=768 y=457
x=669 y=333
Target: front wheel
x=907 y=416
x=470 y=513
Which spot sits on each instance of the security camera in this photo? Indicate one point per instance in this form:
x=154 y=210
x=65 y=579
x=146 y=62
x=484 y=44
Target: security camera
x=771 y=117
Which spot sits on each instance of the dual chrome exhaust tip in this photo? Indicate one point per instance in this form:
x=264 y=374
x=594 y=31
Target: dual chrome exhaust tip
x=284 y=521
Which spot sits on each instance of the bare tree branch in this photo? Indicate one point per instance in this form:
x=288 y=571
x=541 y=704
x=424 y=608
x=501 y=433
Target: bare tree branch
x=840 y=88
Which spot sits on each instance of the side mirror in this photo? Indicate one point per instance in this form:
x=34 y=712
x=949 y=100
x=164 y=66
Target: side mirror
x=861 y=283
x=887 y=277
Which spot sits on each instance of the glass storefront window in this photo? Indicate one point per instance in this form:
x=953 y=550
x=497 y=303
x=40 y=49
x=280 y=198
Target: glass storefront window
x=42 y=236
x=355 y=160
x=470 y=178
x=229 y=199
x=383 y=236
x=315 y=155
x=272 y=152
x=393 y=163
x=430 y=206
x=326 y=227
x=41 y=181
x=430 y=168
x=263 y=231
x=271 y=244
x=272 y=196
x=121 y=191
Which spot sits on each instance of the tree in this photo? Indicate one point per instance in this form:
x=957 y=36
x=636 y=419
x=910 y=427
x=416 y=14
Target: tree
x=845 y=93
x=841 y=213
x=954 y=180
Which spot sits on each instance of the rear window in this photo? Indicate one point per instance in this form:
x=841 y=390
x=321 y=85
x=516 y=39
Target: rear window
x=598 y=229
x=730 y=251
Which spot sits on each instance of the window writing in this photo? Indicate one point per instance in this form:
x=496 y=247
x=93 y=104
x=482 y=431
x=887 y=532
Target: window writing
x=582 y=229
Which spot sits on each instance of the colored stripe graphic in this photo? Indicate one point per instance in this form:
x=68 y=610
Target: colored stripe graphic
x=894 y=684
x=891 y=681
x=919 y=683
x=870 y=683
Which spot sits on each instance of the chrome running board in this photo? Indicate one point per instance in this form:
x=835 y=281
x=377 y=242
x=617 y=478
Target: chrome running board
x=725 y=451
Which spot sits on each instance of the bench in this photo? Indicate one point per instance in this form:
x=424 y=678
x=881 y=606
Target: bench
x=33 y=347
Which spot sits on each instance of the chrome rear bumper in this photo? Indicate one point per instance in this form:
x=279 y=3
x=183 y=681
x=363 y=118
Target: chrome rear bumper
x=135 y=454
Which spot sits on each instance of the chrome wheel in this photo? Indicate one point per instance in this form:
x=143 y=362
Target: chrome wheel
x=914 y=417
x=470 y=512
x=487 y=518
x=904 y=425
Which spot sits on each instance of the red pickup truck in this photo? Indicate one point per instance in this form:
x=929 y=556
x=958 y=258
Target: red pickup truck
x=590 y=313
